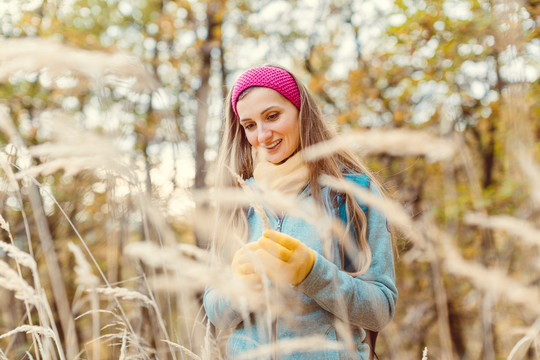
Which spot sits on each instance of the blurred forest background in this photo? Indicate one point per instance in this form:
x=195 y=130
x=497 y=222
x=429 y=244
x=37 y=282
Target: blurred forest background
x=110 y=116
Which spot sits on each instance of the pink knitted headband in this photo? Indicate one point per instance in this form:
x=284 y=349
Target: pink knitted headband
x=270 y=77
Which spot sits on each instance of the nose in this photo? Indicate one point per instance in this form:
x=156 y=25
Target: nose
x=264 y=134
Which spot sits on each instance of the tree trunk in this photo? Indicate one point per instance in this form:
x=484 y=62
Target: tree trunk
x=55 y=274
x=202 y=118
x=441 y=303
x=53 y=266
x=214 y=15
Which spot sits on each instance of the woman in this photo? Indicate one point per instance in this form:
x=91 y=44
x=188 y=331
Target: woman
x=271 y=117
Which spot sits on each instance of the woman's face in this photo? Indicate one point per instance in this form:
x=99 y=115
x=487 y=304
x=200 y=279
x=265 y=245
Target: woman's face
x=270 y=123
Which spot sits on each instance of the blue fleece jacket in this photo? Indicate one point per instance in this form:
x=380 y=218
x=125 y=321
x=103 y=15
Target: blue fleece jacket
x=327 y=297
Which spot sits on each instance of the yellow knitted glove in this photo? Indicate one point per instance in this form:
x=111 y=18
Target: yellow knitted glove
x=243 y=264
x=285 y=259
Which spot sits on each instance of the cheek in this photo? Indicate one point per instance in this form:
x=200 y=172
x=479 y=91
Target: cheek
x=294 y=132
x=251 y=138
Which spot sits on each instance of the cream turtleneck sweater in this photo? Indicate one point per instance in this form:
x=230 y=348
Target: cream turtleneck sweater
x=289 y=177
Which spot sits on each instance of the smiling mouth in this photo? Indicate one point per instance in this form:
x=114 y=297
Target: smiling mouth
x=273 y=145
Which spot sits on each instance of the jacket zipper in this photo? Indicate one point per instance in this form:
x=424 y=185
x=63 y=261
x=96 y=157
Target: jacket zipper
x=274 y=322
x=279 y=223
x=274 y=336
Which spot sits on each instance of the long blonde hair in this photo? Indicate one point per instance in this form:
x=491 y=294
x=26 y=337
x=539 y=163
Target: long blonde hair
x=235 y=153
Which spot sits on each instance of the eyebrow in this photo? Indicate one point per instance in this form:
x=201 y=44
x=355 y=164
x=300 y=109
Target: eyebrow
x=262 y=112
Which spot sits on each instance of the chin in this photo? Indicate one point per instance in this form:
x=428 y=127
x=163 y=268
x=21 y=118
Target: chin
x=278 y=159
x=274 y=160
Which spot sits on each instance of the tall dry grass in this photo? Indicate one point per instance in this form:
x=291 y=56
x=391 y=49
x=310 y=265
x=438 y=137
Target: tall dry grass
x=153 y=308
x=169 y=277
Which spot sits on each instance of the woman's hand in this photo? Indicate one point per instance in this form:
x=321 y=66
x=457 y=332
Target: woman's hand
x=243 y=264
x=284 y=258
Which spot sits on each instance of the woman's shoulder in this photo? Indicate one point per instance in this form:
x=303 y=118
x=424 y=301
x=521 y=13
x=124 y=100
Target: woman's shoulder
x=358 y=178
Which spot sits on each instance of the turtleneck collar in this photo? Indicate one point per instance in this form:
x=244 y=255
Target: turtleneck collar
x=288 y=177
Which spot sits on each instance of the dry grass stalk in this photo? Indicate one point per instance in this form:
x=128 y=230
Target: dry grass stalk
x=192 y=275
x=19 y=256
x=224 y=196
x=85 y=279
x=193 y=252
x=89 y=312
x=153 y=255
x=391 y=209
x=254 y=199
x=119 y=306
x=34 y=54
x=522 y=346
x=46 y=235
x=490 y=280
x=531 y=169
x=30 y=329
x=397 y=142
x=184 y=350
x=155 y=217
x=14 y=252
x=132 y=346
x=119 y=332
x=11 y=184
x=125 y=294
x=277 y=201
x=326 y=225
x=4 y=225
x=287 y=346
x=22 y=258
x=10 y=280
x=161 y=323
x=71 y=167
x=210 y=349
x=521 y=228
x=74 y=150
x=83 y=269
x=123 y=347
x=8 y=127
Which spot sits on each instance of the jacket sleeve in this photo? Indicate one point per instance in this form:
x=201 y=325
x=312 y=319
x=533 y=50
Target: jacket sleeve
x=219 y=310
x=367 y=301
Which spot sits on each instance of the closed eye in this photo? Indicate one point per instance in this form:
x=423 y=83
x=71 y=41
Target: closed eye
x=273 y=116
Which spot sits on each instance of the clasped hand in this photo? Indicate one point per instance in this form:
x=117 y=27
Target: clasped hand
x=282 y=258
